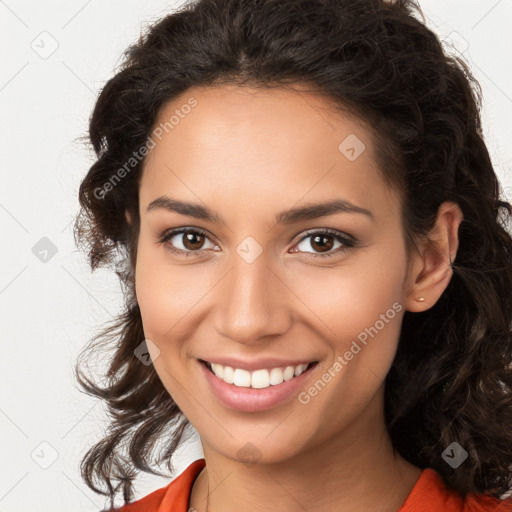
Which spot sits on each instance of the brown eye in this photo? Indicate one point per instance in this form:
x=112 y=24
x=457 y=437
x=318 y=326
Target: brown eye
x=192 y=241
x=186 y=241
x=322 y=243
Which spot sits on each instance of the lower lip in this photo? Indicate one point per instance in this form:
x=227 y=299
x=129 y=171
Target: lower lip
x=253 y=399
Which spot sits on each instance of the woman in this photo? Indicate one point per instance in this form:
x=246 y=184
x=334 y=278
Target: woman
x=318 y=276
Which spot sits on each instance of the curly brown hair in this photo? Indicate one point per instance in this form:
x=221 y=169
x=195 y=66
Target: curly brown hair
x=451 y=379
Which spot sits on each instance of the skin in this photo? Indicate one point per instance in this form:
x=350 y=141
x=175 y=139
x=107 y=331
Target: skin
x=249 y=154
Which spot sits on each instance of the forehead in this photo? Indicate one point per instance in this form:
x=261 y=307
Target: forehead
x=260 y=146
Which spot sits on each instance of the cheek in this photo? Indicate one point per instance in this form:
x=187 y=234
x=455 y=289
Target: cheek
x=360 y=312
x=352 y=298
x=168 y=295
x=163 y=308
x=149 y=288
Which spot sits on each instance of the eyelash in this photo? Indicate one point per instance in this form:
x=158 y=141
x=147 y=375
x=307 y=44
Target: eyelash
x=348 y=243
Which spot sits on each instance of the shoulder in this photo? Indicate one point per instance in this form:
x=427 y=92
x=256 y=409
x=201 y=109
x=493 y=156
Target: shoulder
x=430 y=493
x=174 y=496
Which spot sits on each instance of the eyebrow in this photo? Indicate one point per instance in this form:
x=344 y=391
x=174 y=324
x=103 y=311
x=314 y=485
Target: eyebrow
x=290 y=216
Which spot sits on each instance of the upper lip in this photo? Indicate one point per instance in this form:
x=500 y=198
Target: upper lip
x=257 y=364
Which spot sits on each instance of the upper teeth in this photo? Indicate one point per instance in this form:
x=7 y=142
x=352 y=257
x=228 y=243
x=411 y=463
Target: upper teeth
x=257 y=379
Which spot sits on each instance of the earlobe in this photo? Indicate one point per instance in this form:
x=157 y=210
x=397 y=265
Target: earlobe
x=431 y=271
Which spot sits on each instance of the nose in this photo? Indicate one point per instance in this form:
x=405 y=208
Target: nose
x=251 y=303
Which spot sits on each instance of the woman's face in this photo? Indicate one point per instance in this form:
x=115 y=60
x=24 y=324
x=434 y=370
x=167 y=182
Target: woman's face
x=259 y=284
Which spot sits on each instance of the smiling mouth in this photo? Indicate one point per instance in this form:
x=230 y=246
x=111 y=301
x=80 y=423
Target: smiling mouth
x=258 y=379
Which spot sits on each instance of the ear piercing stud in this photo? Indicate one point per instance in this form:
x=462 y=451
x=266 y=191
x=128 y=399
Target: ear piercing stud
x=421 y=299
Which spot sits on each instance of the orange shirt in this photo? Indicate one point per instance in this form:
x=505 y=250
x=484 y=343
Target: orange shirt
x=429 y=494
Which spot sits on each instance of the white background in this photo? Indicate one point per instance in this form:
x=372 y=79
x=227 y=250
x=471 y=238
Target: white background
x=50 y=310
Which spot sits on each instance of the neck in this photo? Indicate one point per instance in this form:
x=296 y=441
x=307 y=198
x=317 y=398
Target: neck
x=355 y=471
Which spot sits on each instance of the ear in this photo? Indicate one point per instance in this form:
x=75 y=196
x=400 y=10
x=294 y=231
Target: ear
x=128 y=217
x=430 y=270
